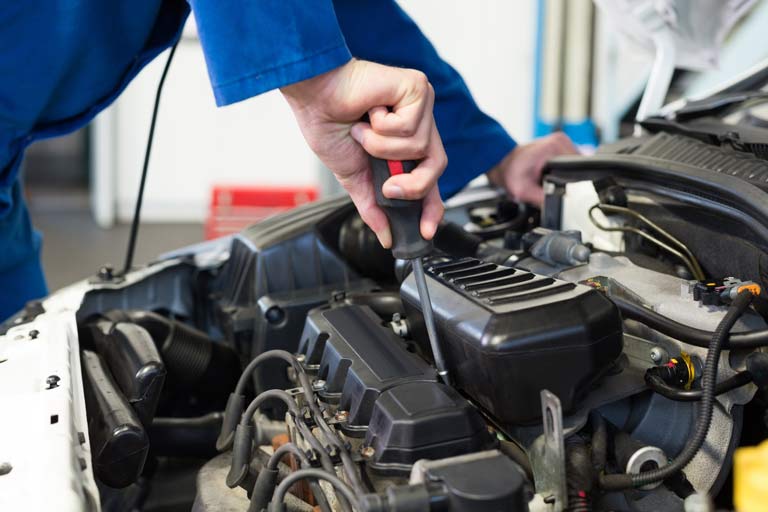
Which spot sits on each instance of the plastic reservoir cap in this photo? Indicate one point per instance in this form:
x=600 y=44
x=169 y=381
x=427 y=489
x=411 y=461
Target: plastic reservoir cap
x=750 y=478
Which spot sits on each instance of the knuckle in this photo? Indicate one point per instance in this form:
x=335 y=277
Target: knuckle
x=409 y=129
x=420 y=188
x=420 y=146
x=420 y=81
x=442 y=161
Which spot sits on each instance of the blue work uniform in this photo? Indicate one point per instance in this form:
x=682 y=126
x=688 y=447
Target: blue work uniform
x=63 y=61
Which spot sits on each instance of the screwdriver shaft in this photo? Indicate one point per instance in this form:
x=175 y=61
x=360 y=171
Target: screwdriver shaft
x=429 y=319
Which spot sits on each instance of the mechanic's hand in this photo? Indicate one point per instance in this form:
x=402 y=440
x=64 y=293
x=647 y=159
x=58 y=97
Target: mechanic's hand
x=329 y=107
x=520 y=171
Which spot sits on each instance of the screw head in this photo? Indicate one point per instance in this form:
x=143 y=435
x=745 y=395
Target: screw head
x=5 y=468
x=106 y=273
x=301 y=358
x=275 y=315
x=318 y=384
x=52 y=381
x=367 y=452
x=658 y=355
x=341 y=416
x=34 y=333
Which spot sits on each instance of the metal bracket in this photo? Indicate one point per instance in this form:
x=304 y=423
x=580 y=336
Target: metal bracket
x=548 y=455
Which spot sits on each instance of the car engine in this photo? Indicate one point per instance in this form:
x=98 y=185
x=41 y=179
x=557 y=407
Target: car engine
x=589 y=346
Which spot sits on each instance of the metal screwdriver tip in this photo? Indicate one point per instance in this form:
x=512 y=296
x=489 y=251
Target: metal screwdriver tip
x=429 y=319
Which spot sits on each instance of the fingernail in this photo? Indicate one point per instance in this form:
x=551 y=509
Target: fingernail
x=357 y=133
x=393 y=192
x=385 y=239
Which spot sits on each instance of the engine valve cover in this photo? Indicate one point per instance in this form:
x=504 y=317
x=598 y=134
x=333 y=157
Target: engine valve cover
x=358 y=359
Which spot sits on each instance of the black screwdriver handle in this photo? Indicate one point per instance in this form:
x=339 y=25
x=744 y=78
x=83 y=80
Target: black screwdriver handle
x=404 y=215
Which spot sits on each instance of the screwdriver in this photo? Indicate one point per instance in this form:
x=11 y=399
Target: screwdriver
x=408 y=244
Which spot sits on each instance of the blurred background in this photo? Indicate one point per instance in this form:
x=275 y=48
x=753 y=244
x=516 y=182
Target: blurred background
x=535 y=65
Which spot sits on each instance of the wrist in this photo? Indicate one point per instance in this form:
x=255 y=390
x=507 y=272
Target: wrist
x=496 y=174
x=314 y=89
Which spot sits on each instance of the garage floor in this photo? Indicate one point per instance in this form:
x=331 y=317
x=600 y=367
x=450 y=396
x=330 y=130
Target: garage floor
x=74 y=247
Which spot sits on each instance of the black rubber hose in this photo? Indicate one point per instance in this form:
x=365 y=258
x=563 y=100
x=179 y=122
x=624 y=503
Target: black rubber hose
x=599 y=441
x=185 y=437
x=690 y=335
x=190 y=355
x=694 y=395
x=282 y=489
x=517 y=454
x=579 y=475
x=709 y=380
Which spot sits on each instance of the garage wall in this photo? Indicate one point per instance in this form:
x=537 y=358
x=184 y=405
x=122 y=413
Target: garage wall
x=257 y=142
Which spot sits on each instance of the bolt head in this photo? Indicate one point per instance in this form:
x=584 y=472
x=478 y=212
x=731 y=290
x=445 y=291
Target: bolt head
x=106 y=273
x=341 y=416
x=367 y=452
x=301 y=358
x=658 y=355
x=52 y=381
x=318 y=385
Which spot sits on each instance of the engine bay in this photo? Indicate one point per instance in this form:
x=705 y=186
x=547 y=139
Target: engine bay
x=589 y=346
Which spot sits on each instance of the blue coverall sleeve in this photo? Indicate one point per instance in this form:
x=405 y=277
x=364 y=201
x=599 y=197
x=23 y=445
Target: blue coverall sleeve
x=380 y=31
x=253 y=46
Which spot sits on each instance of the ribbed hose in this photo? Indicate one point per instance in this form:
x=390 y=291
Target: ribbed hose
x=706 y=407
x=579 y=475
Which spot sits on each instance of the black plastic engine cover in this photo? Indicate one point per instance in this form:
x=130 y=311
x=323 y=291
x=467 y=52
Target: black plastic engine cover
x=358 y=358
x=507 y=334
x=423 y=420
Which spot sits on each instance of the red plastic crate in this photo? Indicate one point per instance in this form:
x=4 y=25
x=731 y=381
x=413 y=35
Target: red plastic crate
x=233 y=207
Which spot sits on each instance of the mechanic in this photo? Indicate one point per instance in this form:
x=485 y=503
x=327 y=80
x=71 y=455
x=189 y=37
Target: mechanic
x=63 y=61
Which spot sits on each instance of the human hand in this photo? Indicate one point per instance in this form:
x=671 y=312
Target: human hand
x=520 y=171
x=399 y=104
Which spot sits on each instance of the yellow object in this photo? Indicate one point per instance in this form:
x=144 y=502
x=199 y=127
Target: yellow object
x=691 y=370
x=754 y=288
x=750 y=478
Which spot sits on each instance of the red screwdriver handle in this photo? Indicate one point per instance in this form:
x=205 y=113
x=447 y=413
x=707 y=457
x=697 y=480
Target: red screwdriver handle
x=404 y=215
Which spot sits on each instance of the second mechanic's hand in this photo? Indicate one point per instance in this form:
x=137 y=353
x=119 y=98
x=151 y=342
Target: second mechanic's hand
x=399 y=103
x=520 y=171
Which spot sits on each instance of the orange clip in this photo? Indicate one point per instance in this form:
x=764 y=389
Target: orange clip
x=753 y=288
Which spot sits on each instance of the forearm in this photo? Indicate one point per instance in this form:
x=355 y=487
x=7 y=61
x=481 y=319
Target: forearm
x=254 y=47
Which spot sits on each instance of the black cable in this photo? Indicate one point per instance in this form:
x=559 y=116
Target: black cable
x=330 y=436
x=258 y=360
x=690 y=335
x=350 y=468
x=282 y=489
x=262 y=397
x=140 y=199
x=236 y=401
x=290 y=448
x=658 y=385
x=618 y=482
